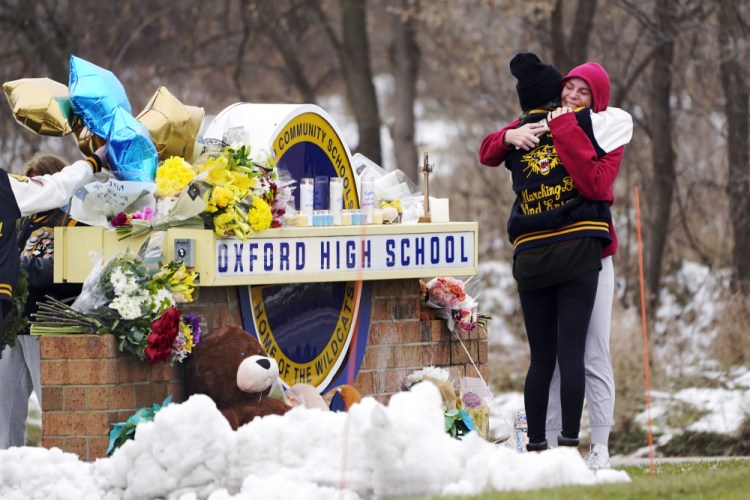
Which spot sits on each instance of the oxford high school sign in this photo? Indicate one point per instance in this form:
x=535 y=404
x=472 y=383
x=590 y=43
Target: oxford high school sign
x=355 y=256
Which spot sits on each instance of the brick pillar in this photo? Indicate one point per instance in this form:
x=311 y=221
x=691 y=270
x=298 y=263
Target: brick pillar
x=88 y=385
x=405 y=337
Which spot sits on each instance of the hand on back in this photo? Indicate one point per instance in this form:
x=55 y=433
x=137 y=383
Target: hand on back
x=526 y=136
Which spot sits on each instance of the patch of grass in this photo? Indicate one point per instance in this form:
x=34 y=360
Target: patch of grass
x=708 y=444
x=627 y=437
x=718 y=480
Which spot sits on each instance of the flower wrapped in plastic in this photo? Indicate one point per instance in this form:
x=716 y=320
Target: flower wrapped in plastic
x=179 y=202
x=133 y=298
x=475 y=397
x=449 y=297
x=241 y=192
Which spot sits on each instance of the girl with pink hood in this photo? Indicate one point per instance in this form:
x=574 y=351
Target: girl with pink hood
x=589 y=143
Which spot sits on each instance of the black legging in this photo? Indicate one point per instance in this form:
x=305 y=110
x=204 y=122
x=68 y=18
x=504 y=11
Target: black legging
x=557 y=319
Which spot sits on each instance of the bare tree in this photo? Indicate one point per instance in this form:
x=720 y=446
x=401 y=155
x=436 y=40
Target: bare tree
x=571 y=50
x=353 y=50
x=734 y=80
x=405 y=55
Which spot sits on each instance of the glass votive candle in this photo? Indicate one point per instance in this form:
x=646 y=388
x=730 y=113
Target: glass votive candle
x=359 y=217
x=301 y=220
x=377 y=216
x=318 y=218
x=346 y=217
x=327 y=217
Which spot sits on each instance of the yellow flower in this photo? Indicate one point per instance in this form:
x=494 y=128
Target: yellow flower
x=224 y=221
x=172 y=176
x=243 y=182
x=222 y=196
x=260 y=216
x=188 y=334
x=219 y=162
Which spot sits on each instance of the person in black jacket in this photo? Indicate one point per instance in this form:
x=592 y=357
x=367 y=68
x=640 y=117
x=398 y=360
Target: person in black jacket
x=20 y=363
x=558 y=237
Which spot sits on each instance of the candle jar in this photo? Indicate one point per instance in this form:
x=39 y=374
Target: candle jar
x=367 y=200
x=306 y=187
x=336 y=197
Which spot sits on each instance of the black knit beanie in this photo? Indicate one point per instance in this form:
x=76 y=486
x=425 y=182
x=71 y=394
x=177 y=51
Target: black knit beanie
x=538 y=83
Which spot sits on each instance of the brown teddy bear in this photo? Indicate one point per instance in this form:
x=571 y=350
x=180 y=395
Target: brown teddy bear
x=231 y=367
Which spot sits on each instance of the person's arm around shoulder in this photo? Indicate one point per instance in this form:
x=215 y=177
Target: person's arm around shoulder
x=593 y=175
x=494 y=149
x=45 y=192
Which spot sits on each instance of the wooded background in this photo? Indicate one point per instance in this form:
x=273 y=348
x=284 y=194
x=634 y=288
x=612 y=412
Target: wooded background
x=678 y=66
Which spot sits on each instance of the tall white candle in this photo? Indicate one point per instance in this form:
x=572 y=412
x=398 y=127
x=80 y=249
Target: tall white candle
x=336 y=203
x=306 y=187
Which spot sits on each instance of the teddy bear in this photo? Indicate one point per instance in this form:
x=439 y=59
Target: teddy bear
x=231 y=367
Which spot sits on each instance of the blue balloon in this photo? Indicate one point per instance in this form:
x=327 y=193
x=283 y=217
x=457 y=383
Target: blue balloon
x=131 y=152
x=95 y=94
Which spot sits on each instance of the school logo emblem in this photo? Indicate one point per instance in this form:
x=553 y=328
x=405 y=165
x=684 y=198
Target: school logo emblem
x=317 y=332
x=540 y=160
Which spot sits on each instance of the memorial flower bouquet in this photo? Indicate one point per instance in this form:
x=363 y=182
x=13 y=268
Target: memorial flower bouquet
x=450 y=294
x=178 y=202
x=244 y=194
x=134 y=299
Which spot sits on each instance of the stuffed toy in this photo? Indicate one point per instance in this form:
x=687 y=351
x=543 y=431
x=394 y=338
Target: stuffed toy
x=231 y=367
x=305 y=395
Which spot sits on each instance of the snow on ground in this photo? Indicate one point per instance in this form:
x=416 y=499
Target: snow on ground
x=373 y=451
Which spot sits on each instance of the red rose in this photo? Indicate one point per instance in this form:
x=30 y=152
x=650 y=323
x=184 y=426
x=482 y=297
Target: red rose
x=164 y=331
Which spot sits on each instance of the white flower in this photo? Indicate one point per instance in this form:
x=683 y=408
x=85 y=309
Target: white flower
x=128 y=307
x=161 y=300
x=123 y=284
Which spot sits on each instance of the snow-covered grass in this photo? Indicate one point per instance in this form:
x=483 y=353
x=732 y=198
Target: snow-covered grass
x=686 y=326
x=373 y=451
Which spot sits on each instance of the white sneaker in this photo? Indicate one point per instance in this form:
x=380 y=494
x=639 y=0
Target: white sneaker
x=597 y=457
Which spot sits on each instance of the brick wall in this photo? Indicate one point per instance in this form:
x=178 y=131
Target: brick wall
x=405 y=337
x=88 y=385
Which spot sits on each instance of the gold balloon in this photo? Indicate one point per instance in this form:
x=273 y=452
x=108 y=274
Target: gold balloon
x=173 y=126
x=41 y=105
x=88 y=142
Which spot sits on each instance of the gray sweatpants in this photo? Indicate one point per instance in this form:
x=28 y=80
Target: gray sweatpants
x=19 y=374
x=600 y=379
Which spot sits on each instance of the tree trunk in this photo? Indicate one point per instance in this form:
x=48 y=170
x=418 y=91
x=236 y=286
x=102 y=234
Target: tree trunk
x=570 y=51
x=405 y=61
x=734 y=80
x=662 y=151
x=355 y=50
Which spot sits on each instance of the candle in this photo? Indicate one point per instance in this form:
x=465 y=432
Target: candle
x=377 y=216
x=301 y=220
x=368 y=197
x=306 y=198
x=336 y=191
x=346 y=217
x=321 y=192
